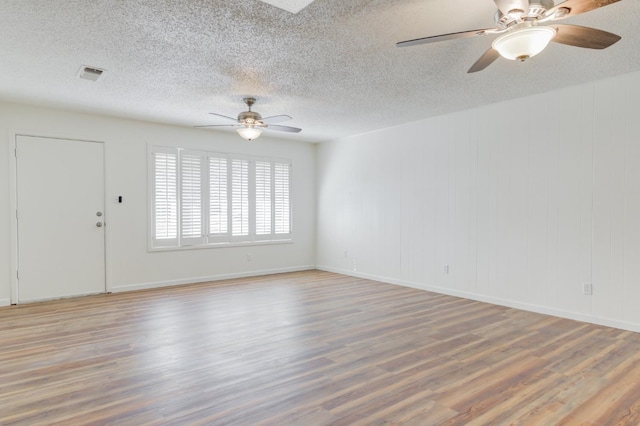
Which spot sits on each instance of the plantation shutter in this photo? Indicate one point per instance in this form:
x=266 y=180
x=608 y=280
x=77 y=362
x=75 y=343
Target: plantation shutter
x=191 y=200
x=240 y=198
x=218 y=197
x=165 y=197
x=207 y=198
x=282 y=198
x=263 y=198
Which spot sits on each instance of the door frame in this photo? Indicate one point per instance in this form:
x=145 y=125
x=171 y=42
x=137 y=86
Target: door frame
x=13 y=204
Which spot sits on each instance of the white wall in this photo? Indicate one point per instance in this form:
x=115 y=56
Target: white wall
x=524 y=200
x=129 y=264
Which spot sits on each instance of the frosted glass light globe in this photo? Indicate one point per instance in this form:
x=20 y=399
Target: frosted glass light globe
x=525 y=43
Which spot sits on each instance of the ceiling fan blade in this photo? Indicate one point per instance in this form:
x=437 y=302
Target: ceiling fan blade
x=276 y=119
x=507 y=6
x=576 y=7
x=592 y=38
x=443 y=37
x=283 y=129
x=220 y=125
x=224 y=116
x=485 y=60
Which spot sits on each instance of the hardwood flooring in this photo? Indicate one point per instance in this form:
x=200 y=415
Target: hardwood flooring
x=308 y=348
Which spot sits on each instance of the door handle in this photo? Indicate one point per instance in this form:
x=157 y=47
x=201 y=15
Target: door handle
x=99 y=224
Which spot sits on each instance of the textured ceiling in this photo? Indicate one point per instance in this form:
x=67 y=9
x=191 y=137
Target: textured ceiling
x=333 y=66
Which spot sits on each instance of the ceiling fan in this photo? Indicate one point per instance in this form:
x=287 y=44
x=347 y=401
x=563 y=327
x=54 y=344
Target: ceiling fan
x=250 y=124
x=522 y=35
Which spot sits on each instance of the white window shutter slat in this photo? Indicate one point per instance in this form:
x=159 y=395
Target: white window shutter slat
x=165 y=198
x=191 y=199
x=218 y=197
x=263 y=198
x=239 y=197
x=282 y=198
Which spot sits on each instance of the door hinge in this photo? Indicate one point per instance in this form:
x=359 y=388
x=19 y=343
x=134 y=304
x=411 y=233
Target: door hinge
x=17 y=274
x=15 y=152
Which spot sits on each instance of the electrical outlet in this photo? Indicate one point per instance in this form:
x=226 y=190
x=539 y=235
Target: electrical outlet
x=587 y=289
x=446 y=269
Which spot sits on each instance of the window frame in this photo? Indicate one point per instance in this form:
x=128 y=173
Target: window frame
x=228 y=239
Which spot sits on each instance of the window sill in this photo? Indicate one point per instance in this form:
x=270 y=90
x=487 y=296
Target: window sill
x=221 y=245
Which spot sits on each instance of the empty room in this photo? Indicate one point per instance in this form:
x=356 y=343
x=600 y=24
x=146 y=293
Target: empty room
x=319 y=212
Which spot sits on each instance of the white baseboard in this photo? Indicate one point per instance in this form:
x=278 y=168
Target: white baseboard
x=194 y=280
x=608 y=322
x=5 y=302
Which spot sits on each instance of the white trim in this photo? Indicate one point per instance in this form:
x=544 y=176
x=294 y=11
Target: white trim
x=221 y=245
x=5 y=302
x=106 y=213
x=149 y=192
x=195 y=280
x=70 y=296
x=13 y=220
x=593 y=319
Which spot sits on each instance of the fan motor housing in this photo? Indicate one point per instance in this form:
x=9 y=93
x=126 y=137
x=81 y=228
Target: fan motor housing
x=249 y=117
x=537 y=9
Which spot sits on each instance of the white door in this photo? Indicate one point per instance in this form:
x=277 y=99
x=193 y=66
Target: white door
x=60 y=200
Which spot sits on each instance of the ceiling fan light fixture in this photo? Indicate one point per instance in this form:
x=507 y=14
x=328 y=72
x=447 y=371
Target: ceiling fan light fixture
x=524 y=43
x=249 y=133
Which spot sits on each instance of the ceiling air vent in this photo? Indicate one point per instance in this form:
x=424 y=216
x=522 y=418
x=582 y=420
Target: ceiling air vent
x=293 y=6
x=90 y=73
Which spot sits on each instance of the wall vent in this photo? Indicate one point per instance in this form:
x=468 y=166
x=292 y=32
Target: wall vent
x=90 y=73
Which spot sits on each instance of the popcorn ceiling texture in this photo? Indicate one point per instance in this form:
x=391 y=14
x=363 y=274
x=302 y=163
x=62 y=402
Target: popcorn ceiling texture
x=333 y=66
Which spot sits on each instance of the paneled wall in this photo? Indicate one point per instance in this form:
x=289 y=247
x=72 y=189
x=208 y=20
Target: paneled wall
x=518 y=203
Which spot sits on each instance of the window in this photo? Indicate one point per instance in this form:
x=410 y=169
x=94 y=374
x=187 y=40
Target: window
x=205 y=198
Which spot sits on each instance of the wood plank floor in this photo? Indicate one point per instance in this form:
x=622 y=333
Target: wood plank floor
x=308 y=348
